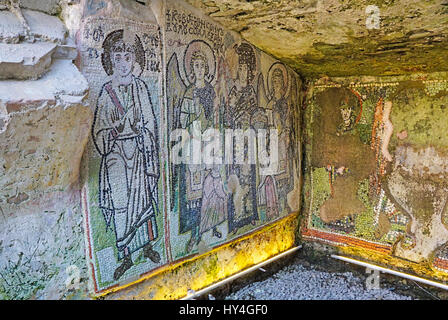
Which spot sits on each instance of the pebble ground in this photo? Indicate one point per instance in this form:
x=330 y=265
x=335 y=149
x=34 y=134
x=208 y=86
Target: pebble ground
x=296 y=282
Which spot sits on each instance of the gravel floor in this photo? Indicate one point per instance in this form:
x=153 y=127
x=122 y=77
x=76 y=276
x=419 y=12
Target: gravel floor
x=296 y=282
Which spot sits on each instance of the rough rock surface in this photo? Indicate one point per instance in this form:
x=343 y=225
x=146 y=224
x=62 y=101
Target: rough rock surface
x=39 y=172
x=51 y=7
x=41 y=251
x=25 y=60
x=42 y=27
x=317 y=37
x=48 y=6
x=11 y=29
x=45 y=27
x=43 y=106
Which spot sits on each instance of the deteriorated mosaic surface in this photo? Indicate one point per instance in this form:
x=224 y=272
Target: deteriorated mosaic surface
x=380 y=181
x=142 y=210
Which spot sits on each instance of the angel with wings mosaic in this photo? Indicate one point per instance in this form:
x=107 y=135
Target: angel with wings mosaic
x=201 y=198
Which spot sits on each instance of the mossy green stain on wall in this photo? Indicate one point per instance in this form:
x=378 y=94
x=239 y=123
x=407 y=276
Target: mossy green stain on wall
x=365 y=221
x=423 y=117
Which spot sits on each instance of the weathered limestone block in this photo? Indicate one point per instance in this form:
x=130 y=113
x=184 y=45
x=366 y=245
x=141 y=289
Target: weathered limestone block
x=45 y=27
x=41 y=27
x=25 y=60
x=48 y=6
x=67 y=51
x=44 y=127
x=40 y=117
x=11 y=29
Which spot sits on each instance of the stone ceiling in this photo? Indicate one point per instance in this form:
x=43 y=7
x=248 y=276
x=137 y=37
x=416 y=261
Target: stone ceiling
x=330 y=37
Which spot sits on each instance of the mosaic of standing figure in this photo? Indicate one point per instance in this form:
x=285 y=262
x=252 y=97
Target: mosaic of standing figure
x=123 y=214
x=242 y=105
x=192 y=107
x=280 y=101
x=125 y=134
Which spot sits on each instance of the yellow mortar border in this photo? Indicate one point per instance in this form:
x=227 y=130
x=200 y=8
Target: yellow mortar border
x=173 y=281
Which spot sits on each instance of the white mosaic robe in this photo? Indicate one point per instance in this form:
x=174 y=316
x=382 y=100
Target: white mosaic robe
x=130 y=165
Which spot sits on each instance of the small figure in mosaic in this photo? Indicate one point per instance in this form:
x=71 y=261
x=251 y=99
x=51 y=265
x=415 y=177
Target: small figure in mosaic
x=214 y=203
x=125 y=134
x=348 y=118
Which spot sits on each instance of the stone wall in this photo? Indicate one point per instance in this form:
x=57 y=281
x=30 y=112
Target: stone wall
x=59 y=242
x=91 y=200
x=44 y=127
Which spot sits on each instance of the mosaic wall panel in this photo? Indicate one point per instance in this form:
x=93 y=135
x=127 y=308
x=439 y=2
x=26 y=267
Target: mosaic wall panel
x=377 y=168
x=124 y=195
x=143 y=209
x=217 y=81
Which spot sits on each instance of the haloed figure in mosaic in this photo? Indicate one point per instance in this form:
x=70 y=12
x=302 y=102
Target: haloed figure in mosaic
x=279 y=87
x=192 y=107
x=242 y=176
x=198 y=102
x=125 y=134
x=198 y=105
x=278 y=101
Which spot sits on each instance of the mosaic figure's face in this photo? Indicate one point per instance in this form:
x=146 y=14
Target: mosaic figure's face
x=346 y=114
x=123 y=63
x=243 y=73
x=199 y=68
x=277 y=82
